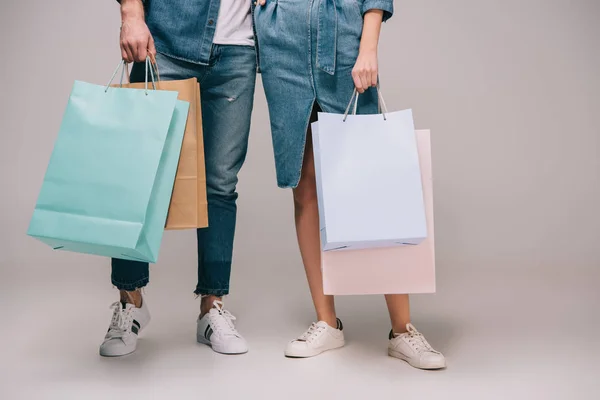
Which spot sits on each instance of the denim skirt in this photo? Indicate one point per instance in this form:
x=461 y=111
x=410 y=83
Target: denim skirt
x=307 y=49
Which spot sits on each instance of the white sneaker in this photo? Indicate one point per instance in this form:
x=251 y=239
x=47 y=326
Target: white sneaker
x=415 y=350
x=318 y=338
x=217 y=330
x=125 y=326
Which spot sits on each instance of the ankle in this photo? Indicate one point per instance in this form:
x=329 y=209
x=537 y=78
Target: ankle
x=131 y=297
x=206 y=304
x=331 y=320
x=399 y=328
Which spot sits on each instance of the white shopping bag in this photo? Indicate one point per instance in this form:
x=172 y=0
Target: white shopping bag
x=368 y=180
x=391 y=270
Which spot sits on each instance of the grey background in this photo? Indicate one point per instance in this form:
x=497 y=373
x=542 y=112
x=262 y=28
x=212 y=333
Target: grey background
x=511 y=92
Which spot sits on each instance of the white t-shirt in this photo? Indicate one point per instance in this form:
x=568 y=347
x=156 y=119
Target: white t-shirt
x=234 y=24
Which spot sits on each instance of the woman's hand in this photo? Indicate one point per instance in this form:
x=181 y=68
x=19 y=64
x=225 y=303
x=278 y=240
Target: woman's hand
x=262 y=2
x=366 y=69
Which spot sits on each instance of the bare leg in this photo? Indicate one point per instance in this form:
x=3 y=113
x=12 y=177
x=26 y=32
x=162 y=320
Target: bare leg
x=134 y=297
x=207 y=303
x=399 y=309
x=307 y=229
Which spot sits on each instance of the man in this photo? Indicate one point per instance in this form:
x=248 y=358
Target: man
x=213 y=41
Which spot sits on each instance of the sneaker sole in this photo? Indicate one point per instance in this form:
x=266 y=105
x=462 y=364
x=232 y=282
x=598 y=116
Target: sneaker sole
x=216 y=349
x=104 y=354
x=288 y=355
x=113 y=355
x=396 y=354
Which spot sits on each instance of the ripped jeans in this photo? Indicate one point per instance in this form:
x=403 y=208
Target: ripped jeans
x=227 y=94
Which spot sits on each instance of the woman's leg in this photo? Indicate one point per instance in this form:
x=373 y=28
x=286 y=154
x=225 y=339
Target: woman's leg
x=327 y=333
x=406 y=343
x=307 y=229
x=399 y=309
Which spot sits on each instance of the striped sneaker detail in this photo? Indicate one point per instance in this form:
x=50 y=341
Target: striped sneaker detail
x=208 y=332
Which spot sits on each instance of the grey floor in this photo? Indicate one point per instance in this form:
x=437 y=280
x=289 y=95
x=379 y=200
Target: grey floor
x=515 y=144
x=531 y=337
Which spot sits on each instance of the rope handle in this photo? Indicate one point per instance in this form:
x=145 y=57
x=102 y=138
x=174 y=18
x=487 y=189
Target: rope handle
x=381 y=107
x=151 y=66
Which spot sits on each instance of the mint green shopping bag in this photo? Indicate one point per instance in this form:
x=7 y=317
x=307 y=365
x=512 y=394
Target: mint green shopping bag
x=109 y=181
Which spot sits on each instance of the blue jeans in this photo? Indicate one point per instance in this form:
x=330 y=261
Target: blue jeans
x=227 y=95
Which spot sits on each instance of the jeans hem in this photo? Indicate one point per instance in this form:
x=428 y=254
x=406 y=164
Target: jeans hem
x=129 y=286
x=211 y=292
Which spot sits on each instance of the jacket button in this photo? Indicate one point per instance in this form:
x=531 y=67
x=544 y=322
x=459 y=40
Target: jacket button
x=211 y=22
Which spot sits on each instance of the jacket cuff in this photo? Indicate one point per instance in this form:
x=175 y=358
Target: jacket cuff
x=386 y=5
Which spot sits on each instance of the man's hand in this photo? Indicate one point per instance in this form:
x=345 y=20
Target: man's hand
x=136 y=40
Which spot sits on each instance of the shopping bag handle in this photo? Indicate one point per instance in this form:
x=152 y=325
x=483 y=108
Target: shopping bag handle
x=154 y=65
x=381 y=107
x=123 y=66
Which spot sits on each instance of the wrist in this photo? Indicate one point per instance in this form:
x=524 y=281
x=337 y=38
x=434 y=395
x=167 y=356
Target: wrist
x=132 y=9
x=368 y=49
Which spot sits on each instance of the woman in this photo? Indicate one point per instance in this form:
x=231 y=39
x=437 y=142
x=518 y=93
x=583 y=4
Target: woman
x=312 y=54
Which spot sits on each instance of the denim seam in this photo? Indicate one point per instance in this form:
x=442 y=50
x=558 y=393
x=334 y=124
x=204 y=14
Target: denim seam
x=357 y=8
x=327 y=69
x=253 y=12
x=210 y=66
x=312 y=84
x=294 y=186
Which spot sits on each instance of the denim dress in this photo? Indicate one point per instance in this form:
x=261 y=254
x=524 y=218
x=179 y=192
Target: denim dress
x=307 y=49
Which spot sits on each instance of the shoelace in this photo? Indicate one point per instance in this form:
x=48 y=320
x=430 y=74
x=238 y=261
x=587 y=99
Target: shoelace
x=313 y=332
x=121 y=320
x=222 y=320
x=418 y=341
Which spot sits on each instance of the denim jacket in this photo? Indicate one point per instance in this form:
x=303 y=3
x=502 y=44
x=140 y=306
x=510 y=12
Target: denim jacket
x=184 y=29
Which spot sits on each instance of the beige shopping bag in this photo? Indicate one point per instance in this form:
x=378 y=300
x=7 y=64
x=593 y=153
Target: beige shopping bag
x=393 y=270
x=189 y=208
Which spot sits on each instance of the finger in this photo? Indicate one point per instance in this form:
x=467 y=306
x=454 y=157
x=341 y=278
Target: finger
x=124 y=55
x=125 y=48
x=365 y=81
x=374 y=78
x=141 y=51
x=133 y=50
x=123 y=45
x=357 y=82
x=262 y=2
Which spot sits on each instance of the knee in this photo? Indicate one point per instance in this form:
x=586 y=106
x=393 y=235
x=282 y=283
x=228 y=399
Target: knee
x=305 y=194
x=221 y=186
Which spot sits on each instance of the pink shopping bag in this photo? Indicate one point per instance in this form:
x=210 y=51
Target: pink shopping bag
x=393 y=270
